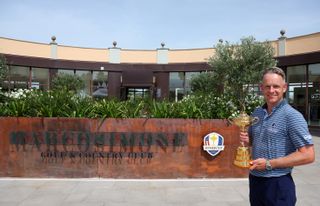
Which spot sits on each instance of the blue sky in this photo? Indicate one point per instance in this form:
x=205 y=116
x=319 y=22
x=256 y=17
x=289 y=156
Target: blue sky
x=144 y=24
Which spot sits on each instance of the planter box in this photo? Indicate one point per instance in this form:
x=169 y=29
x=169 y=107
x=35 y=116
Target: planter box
x=115 y=148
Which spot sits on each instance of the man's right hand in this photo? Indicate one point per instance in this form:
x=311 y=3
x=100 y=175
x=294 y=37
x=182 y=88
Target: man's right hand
x=244 y=137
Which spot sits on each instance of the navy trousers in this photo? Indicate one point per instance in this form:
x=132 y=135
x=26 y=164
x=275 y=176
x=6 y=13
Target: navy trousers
x=272 y=191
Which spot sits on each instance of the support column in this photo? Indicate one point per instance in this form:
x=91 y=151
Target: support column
x=114 y=54
x=54 y=48
x=282 y=43
x=162 y=54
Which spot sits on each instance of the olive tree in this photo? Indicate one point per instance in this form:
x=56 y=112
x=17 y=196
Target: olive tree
x=235 y=66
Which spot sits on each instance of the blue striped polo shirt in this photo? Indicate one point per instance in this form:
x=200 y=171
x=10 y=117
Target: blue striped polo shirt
x=277 y=134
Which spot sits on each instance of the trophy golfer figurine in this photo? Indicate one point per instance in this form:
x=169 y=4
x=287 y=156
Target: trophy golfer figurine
x=243 y=121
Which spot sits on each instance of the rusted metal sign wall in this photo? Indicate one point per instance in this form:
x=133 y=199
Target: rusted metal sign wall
x=115 y=148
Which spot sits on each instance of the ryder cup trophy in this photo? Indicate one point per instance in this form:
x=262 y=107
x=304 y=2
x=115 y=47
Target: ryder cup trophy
x=243 y=121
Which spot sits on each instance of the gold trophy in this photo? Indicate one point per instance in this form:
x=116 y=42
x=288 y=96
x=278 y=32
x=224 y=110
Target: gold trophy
x=243 y=121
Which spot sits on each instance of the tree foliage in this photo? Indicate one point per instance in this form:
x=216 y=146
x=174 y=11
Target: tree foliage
x=234 y=66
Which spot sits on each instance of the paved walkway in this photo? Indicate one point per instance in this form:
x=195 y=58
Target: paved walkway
x=110 y=192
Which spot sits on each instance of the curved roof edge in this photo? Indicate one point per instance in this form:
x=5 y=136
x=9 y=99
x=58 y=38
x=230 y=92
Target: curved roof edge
x=126 y=49
x=288 y=46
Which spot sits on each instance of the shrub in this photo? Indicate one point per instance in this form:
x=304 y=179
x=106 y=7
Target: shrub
x=62 y=103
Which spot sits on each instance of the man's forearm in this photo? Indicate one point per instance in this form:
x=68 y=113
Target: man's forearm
x=303 y=155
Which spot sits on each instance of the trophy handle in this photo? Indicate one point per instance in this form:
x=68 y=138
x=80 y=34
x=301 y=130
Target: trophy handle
x=229 y=119
x=254 y=120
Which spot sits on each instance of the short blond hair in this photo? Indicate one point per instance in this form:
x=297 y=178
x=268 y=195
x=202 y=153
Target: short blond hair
x=275 y=70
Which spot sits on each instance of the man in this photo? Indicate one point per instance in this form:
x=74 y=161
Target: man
x=280 y=141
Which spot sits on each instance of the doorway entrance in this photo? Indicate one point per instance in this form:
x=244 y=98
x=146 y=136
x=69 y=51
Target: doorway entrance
x=134 y=93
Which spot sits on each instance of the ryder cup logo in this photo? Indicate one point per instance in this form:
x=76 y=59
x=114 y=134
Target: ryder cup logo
x=213 y=143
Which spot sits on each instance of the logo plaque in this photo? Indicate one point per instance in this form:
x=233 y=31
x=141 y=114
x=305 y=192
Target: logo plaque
x=213 y=143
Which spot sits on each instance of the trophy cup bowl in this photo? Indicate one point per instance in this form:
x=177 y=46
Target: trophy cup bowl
x=243 y=121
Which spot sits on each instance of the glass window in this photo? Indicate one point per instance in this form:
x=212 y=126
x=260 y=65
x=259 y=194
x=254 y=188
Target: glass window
x=19 y=77
x=86 y=76
x=296 y=95
x=100 y=84
x=176 y=85
x=5 y=84
x=296 y=74
x=255 y=89
x=138 y=93
x=189 y=76
x=40 y=78
x=65 y=71
x=179 y=84
x=55 y=72
x=176 y=79
x=314 y=94
x=314 y=73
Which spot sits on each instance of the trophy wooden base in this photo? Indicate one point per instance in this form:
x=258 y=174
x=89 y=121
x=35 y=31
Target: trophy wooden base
x=243 y=157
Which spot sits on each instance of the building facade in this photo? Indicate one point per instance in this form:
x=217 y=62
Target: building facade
x=162 y=73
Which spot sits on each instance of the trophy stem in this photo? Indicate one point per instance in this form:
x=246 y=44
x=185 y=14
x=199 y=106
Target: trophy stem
x=243 y=129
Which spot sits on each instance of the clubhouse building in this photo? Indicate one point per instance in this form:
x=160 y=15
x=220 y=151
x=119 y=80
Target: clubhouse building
x=162 y=73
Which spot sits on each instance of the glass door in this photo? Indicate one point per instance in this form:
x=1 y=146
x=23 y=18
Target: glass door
x=314 y=95
x=296 y=93
x=138 y=93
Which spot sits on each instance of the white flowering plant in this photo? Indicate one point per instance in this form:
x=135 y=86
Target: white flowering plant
x=62 y=103
x=37 y=103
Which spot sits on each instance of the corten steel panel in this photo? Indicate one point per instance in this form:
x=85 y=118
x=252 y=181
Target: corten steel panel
x=115 y=148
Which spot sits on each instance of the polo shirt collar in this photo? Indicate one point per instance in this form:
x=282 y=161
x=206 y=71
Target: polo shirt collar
x=280 y=104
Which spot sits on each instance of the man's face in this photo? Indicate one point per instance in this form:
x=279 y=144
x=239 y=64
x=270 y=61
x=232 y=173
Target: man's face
x=273 y=87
